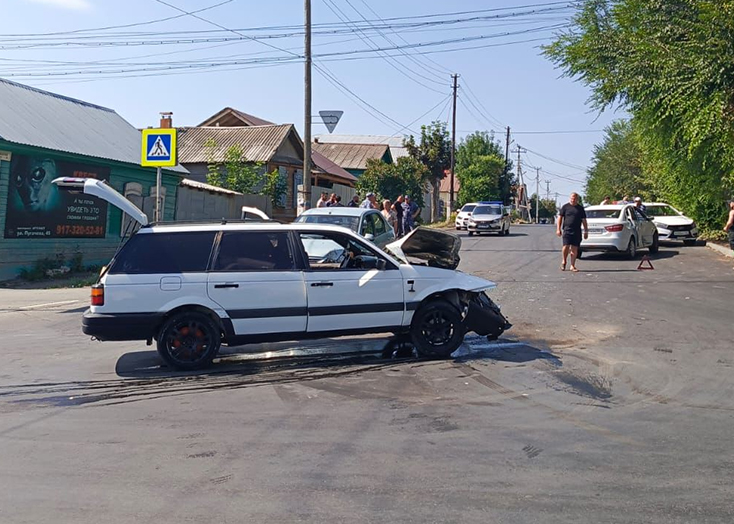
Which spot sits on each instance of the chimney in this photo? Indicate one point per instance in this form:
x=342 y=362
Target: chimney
x=166 y=120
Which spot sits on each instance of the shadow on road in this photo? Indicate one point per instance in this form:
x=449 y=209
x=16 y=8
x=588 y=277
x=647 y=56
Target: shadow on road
x=479 y=348
x=660 y=255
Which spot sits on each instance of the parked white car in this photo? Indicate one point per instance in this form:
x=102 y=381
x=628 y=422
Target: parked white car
x=671 y=223
x=489 y=217
x=193 y=287
x=462 y=217
x=370 y=223
x=619 y=228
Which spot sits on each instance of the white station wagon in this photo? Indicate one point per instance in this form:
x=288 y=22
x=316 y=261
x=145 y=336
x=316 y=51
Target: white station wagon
x=191 y=288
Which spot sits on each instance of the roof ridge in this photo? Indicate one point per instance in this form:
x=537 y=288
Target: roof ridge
x=56 y=95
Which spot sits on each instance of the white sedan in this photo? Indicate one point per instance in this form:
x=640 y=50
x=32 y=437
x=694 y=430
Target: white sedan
x=671 y=223
x=619 y=228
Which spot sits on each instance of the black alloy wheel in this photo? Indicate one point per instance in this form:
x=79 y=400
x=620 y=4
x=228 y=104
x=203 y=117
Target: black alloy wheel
x=189 y=340
x=437 y=329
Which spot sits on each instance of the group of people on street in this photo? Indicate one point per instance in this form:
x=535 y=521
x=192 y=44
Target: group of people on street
x=400 y=215
x=329 y=201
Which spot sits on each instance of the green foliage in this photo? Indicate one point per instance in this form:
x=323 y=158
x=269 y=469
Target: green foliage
x=276 y=187
x=547 y=208
x=406 y=177
x=236 y=173
x=480 y=180
x=670 y=63
x=434 y=152
x=616 y=169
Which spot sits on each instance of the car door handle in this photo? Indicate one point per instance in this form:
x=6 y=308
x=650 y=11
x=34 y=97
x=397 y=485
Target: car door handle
x=225 y=286
x=322 y=284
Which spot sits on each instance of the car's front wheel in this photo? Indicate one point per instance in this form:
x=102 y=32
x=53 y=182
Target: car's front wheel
x=189 y=340
x=437 y=329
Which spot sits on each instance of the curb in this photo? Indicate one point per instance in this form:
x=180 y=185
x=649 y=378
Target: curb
x=720 y=249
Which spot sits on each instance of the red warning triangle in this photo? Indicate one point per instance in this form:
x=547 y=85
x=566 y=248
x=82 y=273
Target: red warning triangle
x=642 y=266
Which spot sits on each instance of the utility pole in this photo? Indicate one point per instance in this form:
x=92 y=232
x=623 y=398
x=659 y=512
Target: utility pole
x=453 y=149
x=522 y=204
x=547 y=189
x=306 y=196
x=507 y=153
x=537 y=195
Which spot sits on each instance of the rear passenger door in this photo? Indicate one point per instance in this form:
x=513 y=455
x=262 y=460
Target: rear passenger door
x=254 y=278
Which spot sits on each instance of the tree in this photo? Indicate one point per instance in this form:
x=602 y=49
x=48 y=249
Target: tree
x=616 y=168
x=236 y=173
x=670 y=64
x=406 y=177
x=480 y=180
x=547 y=208
x=480 y=167
x=434 y=152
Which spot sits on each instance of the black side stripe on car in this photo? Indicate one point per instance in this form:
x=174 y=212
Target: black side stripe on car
x=314 y=311
x=354 y=308
x=268 y=313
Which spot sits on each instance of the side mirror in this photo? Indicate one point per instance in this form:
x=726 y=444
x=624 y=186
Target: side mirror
x=381 y=264
x=370 y=237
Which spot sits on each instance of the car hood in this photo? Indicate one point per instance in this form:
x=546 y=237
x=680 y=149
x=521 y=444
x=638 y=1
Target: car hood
x=446 y=279
x=673 y=221
x=431 y=247
x=485 y=218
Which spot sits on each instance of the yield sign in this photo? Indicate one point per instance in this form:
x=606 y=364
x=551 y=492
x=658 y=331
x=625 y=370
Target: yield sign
x=330 y=119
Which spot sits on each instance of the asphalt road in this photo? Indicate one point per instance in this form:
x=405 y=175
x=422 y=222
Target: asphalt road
x=611 y=400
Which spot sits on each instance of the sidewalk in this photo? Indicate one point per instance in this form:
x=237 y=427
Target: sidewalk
x=724 y=250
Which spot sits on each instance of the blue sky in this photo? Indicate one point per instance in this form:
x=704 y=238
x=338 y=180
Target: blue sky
x=511 y=84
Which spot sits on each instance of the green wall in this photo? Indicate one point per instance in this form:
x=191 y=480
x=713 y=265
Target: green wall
x=23 y=253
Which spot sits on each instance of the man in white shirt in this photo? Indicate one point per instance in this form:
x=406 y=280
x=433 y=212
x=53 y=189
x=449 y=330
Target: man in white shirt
x=323 y=200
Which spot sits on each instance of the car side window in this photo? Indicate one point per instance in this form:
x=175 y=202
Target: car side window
x=332 y=251
x=368 y=225
x=380 y=227
x=254 y=251
x=152 y=253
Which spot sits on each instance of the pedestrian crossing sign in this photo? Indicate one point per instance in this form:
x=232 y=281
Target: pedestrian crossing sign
x=158 y=148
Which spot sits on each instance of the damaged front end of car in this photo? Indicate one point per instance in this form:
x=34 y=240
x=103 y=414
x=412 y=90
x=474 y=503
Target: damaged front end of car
x=483 y=316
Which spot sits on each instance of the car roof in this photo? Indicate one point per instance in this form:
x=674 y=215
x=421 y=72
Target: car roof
x=338 y=211
x=240 y=226
x=608 y=207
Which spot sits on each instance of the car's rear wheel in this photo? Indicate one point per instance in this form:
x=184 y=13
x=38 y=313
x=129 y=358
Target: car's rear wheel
x=189 y=340
x=579 y=253
x=437 y=329
x=631 y=251
x=655 y=247
x=507 y=231
x=471 y=233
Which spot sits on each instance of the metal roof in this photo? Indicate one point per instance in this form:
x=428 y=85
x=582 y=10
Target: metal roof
x=259 y=143
x=397 y=149
x=351 y=156
x=38 y=118
x=327 y=166
x=245 y=118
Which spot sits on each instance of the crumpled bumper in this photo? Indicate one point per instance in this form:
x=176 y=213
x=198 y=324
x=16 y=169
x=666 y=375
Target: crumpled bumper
x=485 y=318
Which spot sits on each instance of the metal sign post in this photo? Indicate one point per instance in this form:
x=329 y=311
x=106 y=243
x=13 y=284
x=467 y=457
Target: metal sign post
x=158 y=150
x=158 y=178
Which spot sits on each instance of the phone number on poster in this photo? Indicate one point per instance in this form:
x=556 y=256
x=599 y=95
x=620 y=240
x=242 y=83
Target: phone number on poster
x=80 y=231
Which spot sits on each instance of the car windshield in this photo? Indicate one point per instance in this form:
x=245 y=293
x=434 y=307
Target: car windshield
x=350 y=222
x=661 y=211
x=468 y=208
x=602 y=213
x=487 y=210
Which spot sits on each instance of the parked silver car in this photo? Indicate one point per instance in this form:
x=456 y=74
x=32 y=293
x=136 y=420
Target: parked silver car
x=366 y=222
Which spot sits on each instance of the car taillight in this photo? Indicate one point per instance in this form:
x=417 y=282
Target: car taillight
x=616 y=228
x=98 y=295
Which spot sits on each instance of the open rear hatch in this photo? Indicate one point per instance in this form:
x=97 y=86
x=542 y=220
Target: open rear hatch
x=432 y=247
x=100 y=188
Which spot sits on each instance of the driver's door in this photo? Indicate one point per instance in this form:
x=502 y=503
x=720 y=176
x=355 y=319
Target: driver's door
x=343 y=297
x=645 y=228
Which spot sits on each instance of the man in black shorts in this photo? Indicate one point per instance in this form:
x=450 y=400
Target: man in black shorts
x=729 y=227
x=570 y=219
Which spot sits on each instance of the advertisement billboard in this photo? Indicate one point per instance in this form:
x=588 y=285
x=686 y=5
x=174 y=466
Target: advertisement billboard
x=37 y=209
